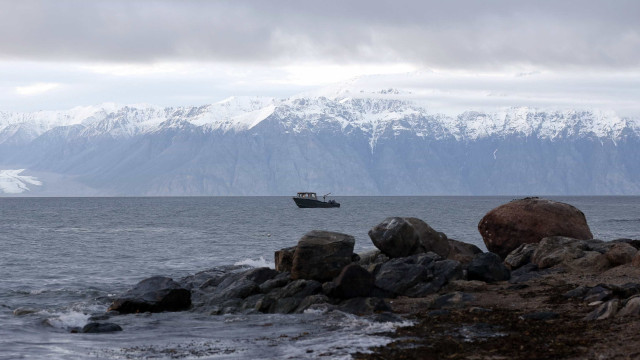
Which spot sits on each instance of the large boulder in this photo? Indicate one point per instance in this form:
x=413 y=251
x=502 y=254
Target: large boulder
x=401 y=237
x=530 y=220
x=155 y=294
x=321 y=255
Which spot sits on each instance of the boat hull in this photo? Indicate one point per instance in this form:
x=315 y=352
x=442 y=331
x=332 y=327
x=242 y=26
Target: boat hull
x=311 y=203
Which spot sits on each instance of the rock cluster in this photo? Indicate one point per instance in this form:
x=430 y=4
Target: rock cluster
x=534 y=237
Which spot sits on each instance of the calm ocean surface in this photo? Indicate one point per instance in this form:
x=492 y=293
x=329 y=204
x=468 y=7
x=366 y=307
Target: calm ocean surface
x=64 y=259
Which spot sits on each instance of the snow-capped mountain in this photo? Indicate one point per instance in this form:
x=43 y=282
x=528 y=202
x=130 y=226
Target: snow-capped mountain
x=341 y=140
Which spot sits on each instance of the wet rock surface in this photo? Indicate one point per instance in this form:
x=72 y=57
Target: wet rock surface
x=155 y=294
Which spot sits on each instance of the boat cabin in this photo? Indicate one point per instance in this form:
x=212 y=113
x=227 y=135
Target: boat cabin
x=307 y=195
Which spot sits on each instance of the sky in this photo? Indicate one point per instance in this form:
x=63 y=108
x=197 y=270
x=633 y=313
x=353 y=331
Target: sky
x=455 y=54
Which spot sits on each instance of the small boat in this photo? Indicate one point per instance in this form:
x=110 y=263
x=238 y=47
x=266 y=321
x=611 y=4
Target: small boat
x=310 y=200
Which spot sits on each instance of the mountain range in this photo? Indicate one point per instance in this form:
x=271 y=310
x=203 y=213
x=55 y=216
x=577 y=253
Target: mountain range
x=348 y=142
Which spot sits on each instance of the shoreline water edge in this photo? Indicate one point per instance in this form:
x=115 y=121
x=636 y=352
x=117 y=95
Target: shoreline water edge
x=545 y=289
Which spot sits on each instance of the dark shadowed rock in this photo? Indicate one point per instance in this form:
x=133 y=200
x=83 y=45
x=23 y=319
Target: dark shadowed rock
x=364 y=306
x=287 y=299
x=530 y=220
x=416 y=275
x=578 y=292
x=487 y=267
x=461 y=251
x=400 y=237
x=278 y=281
x=311 y=301
x=321 y=255
x=452 y=300
x=440 y=275
x=284 y=259
x=353 y=281
x=540 y=315
x=95 y=328
x=155 y=294
x=524 y=273
x=401 y=274
x=598 y=293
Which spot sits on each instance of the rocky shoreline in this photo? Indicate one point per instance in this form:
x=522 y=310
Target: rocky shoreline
x=545 y=290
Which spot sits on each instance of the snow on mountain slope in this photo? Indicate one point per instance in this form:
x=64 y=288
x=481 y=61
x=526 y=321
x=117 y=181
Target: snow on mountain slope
x=11 y=182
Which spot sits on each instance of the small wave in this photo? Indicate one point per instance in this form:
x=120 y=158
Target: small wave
x=69 y=320
x=624 y=220
x=256 y=263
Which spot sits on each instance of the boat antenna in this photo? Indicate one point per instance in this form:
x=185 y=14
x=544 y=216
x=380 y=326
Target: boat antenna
x=326 y=194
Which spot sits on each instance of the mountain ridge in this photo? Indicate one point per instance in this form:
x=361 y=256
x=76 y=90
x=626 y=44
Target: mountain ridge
x=351 y=144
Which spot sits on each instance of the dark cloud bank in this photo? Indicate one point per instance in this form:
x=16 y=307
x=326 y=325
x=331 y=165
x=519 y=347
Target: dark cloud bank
x=452 y=34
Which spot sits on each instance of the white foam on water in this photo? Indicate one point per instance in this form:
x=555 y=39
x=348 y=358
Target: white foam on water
x=68 y=320
x=256 y=263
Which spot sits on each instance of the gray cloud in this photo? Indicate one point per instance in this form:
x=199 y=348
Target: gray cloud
x=454 y=34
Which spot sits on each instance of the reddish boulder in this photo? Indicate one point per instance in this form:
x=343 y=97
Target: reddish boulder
x=529 y=220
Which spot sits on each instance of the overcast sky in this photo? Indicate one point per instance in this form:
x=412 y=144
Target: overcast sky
x=60 y=54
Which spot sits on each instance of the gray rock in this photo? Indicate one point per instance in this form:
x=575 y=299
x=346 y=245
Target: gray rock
x=631 y=307
x=440 y=275
x=573 y=254
x=520 y=256
x=155 y=294
x=279 y=281
x=401 y=274
x=241 y=285
x=578 y=292
x=597 y=293
x=604 y=311
x=401 y=237
x=210 y=277
x=488 y=267
x=287 y=299
x=321 y=255
x=95 y=328
x=310 y=301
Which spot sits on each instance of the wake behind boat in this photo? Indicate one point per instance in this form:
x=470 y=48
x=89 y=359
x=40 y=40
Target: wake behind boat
x=310 y=200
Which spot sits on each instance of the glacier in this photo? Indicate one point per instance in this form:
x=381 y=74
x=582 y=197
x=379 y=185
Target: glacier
x=345 y=141
x=11 y=182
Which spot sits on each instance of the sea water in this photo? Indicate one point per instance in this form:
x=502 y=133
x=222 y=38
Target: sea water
x=63 y=260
